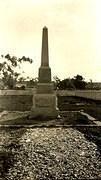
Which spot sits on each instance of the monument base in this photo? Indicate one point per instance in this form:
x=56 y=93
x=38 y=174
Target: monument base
x=45 y=88
x=44 y=106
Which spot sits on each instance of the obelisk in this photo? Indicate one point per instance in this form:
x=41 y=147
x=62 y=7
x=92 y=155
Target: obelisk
x=44 y=70
x=44 y=100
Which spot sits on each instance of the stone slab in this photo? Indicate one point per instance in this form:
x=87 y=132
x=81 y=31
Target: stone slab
x=44 y=105
x=45 y=100
x=43 y=113
x=45 y=88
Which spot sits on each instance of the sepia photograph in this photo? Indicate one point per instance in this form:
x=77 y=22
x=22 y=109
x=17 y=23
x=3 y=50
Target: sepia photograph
x=50 y=89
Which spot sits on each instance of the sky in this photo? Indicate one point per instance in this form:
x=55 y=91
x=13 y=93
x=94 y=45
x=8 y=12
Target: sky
x=74 y=29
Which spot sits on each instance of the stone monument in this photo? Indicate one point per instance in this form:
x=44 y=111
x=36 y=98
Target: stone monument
x=44 y=100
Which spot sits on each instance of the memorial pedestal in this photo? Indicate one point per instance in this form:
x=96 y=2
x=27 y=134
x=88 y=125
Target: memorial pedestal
x=44 y=105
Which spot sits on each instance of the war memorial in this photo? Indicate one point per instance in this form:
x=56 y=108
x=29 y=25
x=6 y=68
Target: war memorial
x=45 y=103
x=44 y=100
x=36 y=144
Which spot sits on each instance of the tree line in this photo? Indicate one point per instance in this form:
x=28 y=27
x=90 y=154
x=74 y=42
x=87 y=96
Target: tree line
x=9 y=75
x=77 y=82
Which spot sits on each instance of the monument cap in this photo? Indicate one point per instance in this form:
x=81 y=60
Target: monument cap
x=45 y=27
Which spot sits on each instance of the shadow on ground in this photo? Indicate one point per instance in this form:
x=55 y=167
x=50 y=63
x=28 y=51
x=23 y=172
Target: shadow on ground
x=92 y=134
x=9 y=149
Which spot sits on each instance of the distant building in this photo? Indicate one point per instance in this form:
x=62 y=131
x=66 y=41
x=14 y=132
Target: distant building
x=93 y=85
x=26 y=84
x=21 y=83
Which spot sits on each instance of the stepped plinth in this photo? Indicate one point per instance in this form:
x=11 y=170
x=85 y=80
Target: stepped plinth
x=44 y=100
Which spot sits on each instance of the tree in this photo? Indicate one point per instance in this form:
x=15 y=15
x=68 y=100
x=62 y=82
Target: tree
x=63 y=84
x=8 y=69
x=32 y=82
x=75 y=83
x=56 y=82
x=79 y=82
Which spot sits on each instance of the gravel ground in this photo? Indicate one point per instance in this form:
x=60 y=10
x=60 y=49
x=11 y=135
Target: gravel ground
x=48 y=153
